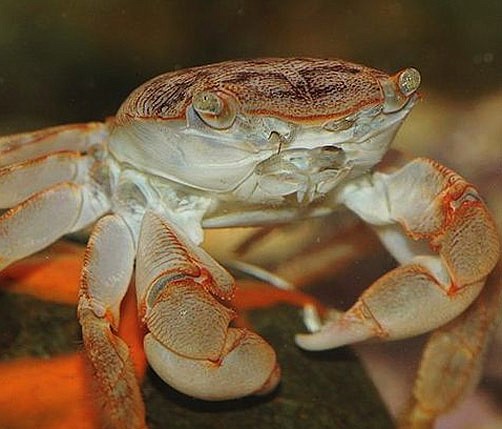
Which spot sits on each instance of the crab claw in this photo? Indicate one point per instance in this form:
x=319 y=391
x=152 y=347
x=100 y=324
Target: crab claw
x=190 y=344
x=436 y=225
x=244 y=368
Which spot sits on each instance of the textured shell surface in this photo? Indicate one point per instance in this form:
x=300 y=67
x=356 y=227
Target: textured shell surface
x=296 y=90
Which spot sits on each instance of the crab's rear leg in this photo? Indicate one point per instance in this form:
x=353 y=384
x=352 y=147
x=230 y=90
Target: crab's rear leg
x=437 y=227
x=182 y=293
x=451 y=364
x=45 y=217
x=22 y=147
x=107 y=270
x=53 y=184
x=20 y=181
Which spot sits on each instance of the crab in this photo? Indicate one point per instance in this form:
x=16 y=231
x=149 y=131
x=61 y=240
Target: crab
x=247 y=143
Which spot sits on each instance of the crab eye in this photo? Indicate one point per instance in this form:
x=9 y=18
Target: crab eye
x=409 y=81
x=399 y=88
x=217 y=110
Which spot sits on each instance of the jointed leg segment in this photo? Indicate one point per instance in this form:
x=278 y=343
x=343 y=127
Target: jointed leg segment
x=27 y=146
x=181 y=293
x=51 y=194
x=429 y=218
x=436 y=282
x=436 y=226
x=452 y=361
x=106 y=274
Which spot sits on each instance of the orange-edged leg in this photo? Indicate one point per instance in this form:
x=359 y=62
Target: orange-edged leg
x=45 y=217
x=22 y=147
x=451 y=364
x=106 y=274
x=437 y=227
x=51 y=182
x=20 y=181
x=56 y=279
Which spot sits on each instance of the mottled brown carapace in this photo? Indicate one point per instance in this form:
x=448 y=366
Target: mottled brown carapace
x=293 y=89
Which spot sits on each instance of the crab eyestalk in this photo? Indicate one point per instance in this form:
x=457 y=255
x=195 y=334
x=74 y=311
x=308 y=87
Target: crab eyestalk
x=216 y=109
x=399 y=88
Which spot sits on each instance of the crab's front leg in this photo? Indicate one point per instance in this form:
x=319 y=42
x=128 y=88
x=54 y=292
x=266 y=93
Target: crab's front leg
x=435 y=224
x=182 y=293
x=106 y=274
x=437 y=227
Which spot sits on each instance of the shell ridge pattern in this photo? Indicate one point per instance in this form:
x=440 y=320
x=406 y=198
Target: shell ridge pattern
x=296 y=89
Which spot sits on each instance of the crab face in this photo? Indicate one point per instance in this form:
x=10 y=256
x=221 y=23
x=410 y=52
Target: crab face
x=276 y=128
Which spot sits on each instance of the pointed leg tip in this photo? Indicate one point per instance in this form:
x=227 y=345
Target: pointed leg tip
x=333 y=335
x=317 y=342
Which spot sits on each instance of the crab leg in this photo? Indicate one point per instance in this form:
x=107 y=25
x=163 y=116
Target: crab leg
x=181 y=293
x=20 y=181
x=436 y=226
x=21 y=147
x=57 y=211
x=108 y=266
x=451 y=363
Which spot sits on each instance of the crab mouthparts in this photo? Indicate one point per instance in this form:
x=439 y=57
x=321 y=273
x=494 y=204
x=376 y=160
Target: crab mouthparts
x=306 y=172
